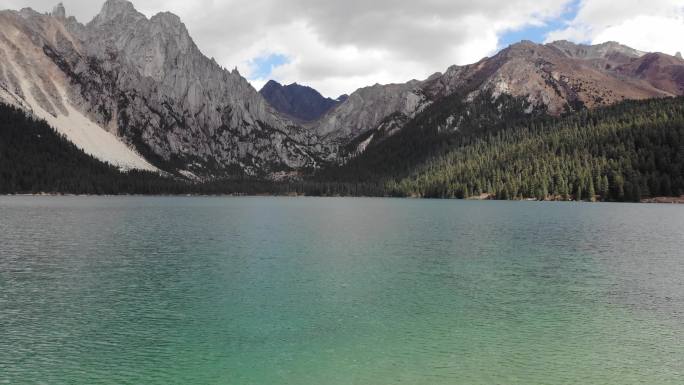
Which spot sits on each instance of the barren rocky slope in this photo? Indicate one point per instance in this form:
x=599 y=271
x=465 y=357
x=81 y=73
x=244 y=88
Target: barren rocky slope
x=557 y=77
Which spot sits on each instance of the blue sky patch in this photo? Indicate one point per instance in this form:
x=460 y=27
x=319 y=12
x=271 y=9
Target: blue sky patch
x=263 y=66
x=538 y=34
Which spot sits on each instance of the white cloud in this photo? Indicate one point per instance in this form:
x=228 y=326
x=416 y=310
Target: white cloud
x=648 y=33
x=656 y=25
x=338 y=46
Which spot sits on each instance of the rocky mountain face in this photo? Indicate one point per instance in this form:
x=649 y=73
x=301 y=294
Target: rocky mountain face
x=367 y=107
x=661 y=71
x=145 y=82
x=555 y=77
x=302 y=103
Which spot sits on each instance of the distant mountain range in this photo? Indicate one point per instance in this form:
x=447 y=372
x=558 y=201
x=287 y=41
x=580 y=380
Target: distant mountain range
x=299 y=102
x=139 y=94
x=557 y=77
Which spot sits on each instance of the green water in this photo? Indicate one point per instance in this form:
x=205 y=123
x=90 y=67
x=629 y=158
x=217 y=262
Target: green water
x=308 y=291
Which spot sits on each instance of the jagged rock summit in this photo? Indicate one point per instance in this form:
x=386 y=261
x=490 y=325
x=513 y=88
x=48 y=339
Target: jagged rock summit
x=121 y=11
x=59 y=12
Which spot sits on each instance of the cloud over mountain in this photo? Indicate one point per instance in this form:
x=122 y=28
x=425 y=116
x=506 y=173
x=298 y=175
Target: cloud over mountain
x=656 y=25
x=337 y=47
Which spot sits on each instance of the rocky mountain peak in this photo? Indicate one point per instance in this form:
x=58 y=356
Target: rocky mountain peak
x=171 y=25
x=598 y=51
x=58 y=11
x=167 y=19
x=678 y=55
x=119 y=10
x=155 y=47
x=524 y=48
x=28 y=12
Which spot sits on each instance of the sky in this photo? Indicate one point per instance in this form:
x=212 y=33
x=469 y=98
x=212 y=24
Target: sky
x=339 y=46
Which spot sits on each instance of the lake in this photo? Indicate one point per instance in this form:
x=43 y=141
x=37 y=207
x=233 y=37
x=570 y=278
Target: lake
x=304 y=291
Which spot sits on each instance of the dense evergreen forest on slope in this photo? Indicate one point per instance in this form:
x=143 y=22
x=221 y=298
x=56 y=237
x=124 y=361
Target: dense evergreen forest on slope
x=449 y=123
x=625 y=152
x=34 y=158
x=620 y=153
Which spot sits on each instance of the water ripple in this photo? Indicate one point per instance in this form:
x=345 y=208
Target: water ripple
x=339 y=291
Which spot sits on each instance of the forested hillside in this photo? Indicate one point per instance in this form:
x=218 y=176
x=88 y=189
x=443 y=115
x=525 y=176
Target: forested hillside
x=620 y=153
x=449 y=123
x=36 y=159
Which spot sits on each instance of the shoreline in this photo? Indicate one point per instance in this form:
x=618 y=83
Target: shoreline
x=652 y=200
x=665 y=200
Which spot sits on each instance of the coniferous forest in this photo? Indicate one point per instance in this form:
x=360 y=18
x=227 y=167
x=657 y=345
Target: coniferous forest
x=34 y=159
x=620 y=153
x=626 y=152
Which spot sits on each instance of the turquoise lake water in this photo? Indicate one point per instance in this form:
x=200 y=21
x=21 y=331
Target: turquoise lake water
x=308 y=291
